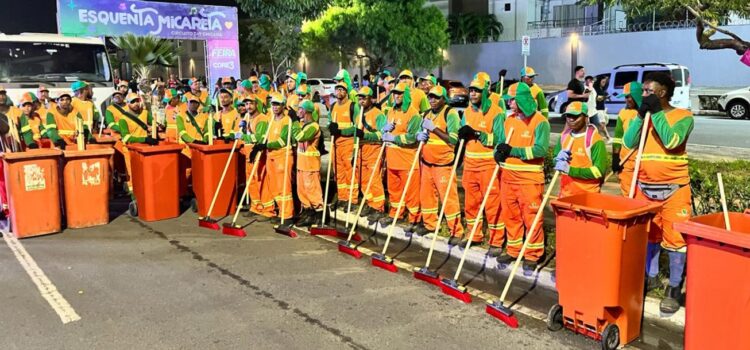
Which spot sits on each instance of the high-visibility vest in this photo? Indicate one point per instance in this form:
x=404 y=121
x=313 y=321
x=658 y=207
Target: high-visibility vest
x=134 y=129
x=274 y=135
x=436 y=151
x=65 y=124
x=308 y=155
x=660 y=165
x=369 y=123
x=478 y=156
x=398 y=157
x=189 y=122
x=517 y=170
x=581 y=158
x=86 y=108
x=229 y=122
x=627 y=116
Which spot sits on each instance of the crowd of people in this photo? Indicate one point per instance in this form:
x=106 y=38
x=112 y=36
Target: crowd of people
x=408 y=120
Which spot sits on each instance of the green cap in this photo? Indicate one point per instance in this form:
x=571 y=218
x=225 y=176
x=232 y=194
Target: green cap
x=524 y=100
x=635 y=91
x=80 y=84
x=576 y=108
x=246 y=84
x=307 y=105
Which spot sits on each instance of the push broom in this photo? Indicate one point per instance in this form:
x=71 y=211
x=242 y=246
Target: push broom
x=424 y=273
x=280 y=228
x=324 y=230
x=346 y=246
x=498 y=309
x=724 y=209
x=207 y=221
x=354 y=173
x=451 y=286
x=233 y=229
x=380 y=259
x=641 y=145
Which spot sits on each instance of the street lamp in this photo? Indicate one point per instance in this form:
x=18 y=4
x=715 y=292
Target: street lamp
x=304 y=63
x=443 y=56
x=361 y=56
x=573 y=53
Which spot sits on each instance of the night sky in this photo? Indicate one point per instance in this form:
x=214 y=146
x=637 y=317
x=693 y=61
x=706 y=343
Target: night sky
x=41 y=16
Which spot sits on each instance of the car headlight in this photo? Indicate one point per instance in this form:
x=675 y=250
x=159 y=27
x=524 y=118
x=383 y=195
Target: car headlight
x=722 y=98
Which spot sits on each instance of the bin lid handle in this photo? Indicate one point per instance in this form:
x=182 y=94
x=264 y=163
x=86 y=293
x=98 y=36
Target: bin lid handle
x=747 y=211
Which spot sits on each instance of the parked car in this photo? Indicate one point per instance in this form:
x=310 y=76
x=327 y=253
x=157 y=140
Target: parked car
x=457 y=93
x=321 y=87
x=621 y=75
x=736 y=103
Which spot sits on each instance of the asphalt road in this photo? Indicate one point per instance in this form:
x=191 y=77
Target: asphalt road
x=172 y=285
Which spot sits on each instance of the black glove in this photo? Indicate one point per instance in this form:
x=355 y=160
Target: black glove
x=650 y=104
x=92 y=141
x=259 y=147
x=333 y=128
x=86 y=134
x=616 y=167
x=61 y=144
x=293 y=115
x=502 y=152
x=229 y=139
x=200 y=142
x=32 y=145
x=360 y=133
x=151 y=141
x=468 y=133
x=218 y=129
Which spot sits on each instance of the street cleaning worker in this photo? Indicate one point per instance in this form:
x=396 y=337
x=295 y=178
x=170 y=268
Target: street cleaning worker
x=173 y=106
x=196 y=92
x=400 y=132
x=114 y=111
x=479 y=128
x=60 y=123
x=134 y=128
x=426 y=83
x=633 y=93
x=276 y=154
x=583 y=165
x=494 y=97
x=83 y=103
x=440 y=132
x=343 y=76
x=385 y=102
x=192 y=124
x=418 y=97
x=308 y=165
x=663 y=178
x=46 y=102
x=372 y=121
x=304 y=92
x=527 y=76
x=342 y=116
x=254 y=127
x=30 y=123
x=521 y=158
x=260 y=88
x=228 y=119
x=292 y=102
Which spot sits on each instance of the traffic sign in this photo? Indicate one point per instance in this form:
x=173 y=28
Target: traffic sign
x=525 y=45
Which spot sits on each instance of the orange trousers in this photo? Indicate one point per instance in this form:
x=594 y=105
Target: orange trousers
x=261 y=201
x=520 y=204
x=475 y=184
x=396 y=184
x=120 y=147
x=308 y=189
x=344 y=150
x=675 y=209
x=376 y=196
x=626 y=176
x=275 y=185
x=433 y=185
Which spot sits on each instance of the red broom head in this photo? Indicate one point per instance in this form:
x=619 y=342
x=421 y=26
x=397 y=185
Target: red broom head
x=427 y=276
x=384 y=262
x=285 y=230
x=323 y=231
x=502 y=313
x=209 y=224
x=452 y=288
x=233 y=230
x=347 y=248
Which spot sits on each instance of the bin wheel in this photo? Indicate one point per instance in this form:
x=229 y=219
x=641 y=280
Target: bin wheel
x=610 y=337
x=133 y=209
x=194 y=205
x=555 y=318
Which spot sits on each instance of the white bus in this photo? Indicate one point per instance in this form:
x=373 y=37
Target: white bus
x=28 y=60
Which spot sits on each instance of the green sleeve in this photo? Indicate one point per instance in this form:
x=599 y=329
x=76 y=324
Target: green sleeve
x=463 y=120
x=453 y=123
x=180 y=121
x=490 y=140
x=258 y=135
x=617 y=139
x=424 y=105
x=307 y=133
x=599 y=161
x=150 y=118
x=125 y=133
x=50 y=128
x=410 y=137
x=376 y=135
x=350 y=131
x=558 y=147
x=281 y=142
x=672 y=136
x=540 y=147
x=26 y=134
x=109 y=119
x=542 y=103
x=632 y=136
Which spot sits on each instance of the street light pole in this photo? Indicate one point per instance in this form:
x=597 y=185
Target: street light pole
x=573 y=53
x=361 y=56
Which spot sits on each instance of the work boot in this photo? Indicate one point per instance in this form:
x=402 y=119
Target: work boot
x=263 y=218
x=305 y=218
x=385 y=221
x=505 y=259
x=342 y=205
x=422 y=231
x=473 y=243
x=374 y=216
x=494 y=252
x=652 y=283
x=366 y=211
x=671 y=302
x=454 y=240
x=250 y=215
x=530 y=265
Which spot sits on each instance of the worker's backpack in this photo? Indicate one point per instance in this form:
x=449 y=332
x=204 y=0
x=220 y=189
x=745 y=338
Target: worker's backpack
x=590 y=132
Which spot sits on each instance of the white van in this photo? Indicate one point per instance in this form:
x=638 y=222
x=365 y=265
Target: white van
x=55 y=61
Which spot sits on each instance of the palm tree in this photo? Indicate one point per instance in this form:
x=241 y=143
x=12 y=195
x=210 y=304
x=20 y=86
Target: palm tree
x=146 y=52
x=466 y=28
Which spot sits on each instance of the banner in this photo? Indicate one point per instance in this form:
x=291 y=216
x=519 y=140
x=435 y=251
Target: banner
x=223 y=59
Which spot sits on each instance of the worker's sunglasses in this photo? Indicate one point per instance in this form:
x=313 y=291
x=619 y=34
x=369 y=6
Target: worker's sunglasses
x=276 y=104
x=397 y=93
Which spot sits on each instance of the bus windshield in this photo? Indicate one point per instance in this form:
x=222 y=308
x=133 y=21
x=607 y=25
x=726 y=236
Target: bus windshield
x=52 y=62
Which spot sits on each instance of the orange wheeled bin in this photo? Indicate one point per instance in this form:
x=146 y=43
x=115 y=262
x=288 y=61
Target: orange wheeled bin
x=208 y=163
x=86 y=177
x=601 y=259
x=33 y=185
x=155 y=171
x=717 y=289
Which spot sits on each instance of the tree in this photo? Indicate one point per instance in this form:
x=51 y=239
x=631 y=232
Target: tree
x=146 y=52
x=708 y=14
x=467 y=28
x=393 y=33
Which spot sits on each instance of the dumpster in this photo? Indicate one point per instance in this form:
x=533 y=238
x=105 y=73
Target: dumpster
x=155 y=171
x=717 y=292
x=86 y=176
x=208 y=163
x=601 y=255
x=32 y=183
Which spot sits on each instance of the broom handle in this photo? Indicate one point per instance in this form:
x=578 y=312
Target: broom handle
x=367 y=190
x=727 y=225
x=221 y=179
x=252 y=173
x=403 y=197
x=328 y=173
x=354 y=169
x=286 y=169
x=445 y=199
x=479 y=215
x=622 y=162
x=534 y=224
x=641 y=145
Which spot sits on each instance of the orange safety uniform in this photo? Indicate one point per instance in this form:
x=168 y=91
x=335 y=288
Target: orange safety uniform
x=399 y=157
x=372 y=121
x=522 y=182
x=58 y=126
x=261 y=201
x=436 y=165
x=478 y=166
x=343 y=114
x=132 y=132
x=587 y=163
x=170 y=116
x=230 y=122
x=626 y=175
x=278 y=149
x=308 y=166
x=87 y=110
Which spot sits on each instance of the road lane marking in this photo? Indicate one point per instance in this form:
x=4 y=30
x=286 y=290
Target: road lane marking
x=46 y=288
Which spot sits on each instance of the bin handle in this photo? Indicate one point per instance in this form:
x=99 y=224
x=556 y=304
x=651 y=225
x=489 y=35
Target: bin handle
x=747 y=211
x=599 y=212
x=564 y=206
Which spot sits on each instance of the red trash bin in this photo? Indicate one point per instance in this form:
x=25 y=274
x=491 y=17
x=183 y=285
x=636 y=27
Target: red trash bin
x=155 y=171
x=717 y=289
x=33 y=185
x=208 y=164
x=601 y=259
x=86 y=176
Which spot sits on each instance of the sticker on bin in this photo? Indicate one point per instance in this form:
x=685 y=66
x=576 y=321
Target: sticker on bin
x=92 y=174
x=34 y=178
